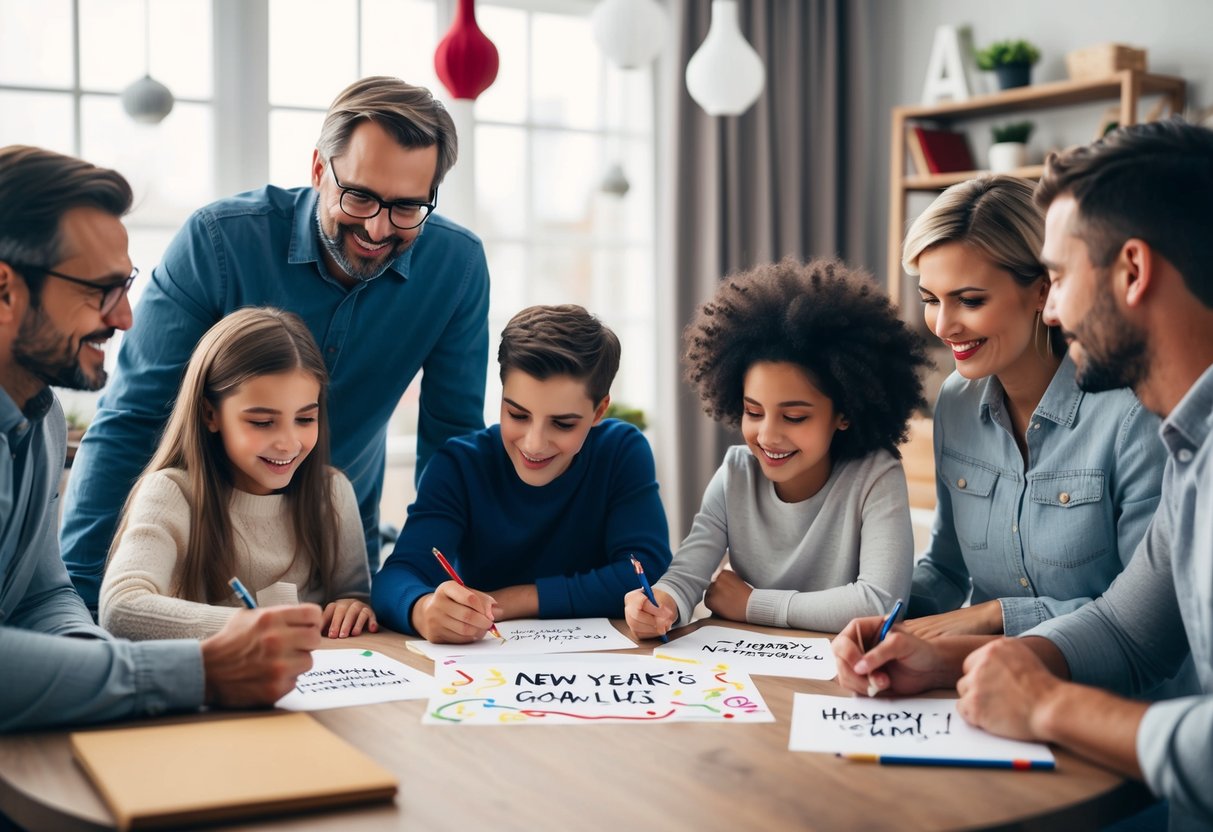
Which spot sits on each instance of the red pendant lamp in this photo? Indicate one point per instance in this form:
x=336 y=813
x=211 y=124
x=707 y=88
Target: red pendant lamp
x=466 y=60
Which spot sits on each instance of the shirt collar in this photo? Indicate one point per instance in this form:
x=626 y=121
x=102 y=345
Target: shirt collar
x=1059 y=403
x=13 y=419
x=1192 y=419
x=305 y=238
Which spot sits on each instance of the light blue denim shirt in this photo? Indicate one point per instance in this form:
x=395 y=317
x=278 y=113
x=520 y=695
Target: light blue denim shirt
x=428 y=311
x=56 y=666
x=1140 y=631
x=1046 y=537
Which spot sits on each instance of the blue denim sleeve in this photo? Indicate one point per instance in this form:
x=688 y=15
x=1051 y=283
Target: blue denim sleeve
x=1135 y=483
x=452 y=381
x=1176 y=755
x=635 y=525
x=940 y=581
x=176 y=308
x=71 y=681
x=62 y=669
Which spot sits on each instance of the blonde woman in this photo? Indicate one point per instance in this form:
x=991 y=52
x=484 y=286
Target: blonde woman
x=1043 y=490
x=241 y=486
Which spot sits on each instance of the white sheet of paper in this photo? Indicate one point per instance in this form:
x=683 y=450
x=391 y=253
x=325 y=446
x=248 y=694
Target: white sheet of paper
x=584 y=690
x=757 y=653
x=532 y=636
x=341 y=678
x=898 y=727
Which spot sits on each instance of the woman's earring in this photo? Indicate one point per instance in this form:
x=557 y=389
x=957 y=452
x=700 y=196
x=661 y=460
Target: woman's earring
x=1040 y=334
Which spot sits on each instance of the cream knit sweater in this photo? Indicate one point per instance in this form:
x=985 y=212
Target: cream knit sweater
x=136 y=600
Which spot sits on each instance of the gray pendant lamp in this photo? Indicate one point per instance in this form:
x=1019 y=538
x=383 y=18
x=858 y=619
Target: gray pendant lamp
x=147 y=101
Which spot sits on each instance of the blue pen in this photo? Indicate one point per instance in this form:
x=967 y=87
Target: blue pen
x=242 y=593
x=884 y=631
x=888 y=622
x=897 y=760
x=648 y=590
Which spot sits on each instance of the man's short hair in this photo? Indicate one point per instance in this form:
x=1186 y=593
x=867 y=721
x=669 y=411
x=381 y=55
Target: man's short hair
x=547 y=341
x=37 y=187
x=1153 y=182
x=411 y=115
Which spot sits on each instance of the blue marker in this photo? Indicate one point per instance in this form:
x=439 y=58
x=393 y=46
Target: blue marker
x=888 y=622
x=648 y=590
x=242 y=593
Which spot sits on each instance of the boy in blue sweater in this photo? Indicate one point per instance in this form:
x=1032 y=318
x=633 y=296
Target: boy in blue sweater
x=540 y=512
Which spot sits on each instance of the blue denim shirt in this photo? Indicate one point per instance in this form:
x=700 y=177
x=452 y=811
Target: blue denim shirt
x=428 y=311
x=1140 y=631
x=1044 y=538
x=47 y=678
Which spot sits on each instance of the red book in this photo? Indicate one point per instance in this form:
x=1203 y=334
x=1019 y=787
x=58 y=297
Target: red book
x=945 y=151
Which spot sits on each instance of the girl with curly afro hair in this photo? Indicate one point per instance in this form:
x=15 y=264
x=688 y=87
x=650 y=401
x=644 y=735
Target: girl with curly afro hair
x=813 y=363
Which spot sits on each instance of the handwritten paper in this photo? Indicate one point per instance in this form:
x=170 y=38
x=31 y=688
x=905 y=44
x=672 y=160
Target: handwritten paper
x=341 y=678
x=531 y=636
x=759 y=653
x=567 y=690
x=924 y=728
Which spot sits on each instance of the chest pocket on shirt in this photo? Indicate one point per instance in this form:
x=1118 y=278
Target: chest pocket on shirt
x=972 y=489
x=1070 y=524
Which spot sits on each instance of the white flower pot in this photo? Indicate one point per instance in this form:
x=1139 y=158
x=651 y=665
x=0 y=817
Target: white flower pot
x=1007 y=156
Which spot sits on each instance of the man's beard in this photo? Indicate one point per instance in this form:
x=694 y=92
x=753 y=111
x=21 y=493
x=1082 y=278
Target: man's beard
x=366 y=270
x=48 y=354
x=1114 y=351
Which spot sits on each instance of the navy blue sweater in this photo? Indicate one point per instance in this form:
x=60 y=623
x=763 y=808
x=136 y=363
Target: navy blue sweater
x=571 y=537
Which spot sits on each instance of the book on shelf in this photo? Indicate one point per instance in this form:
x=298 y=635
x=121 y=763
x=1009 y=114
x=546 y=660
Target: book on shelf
x=935 y=150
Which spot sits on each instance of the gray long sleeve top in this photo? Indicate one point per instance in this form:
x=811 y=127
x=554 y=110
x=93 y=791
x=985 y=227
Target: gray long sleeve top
x=846 y=551
x=1139 y=632
x=57 y=667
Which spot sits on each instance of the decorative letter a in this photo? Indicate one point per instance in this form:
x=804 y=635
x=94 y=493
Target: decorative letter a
x=947 y=70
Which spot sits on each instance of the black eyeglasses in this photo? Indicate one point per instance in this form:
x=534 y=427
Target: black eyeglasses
x=111 y=293
x=404 y=214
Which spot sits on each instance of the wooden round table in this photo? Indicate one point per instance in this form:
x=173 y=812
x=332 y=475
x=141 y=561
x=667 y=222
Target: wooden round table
x=676 y=776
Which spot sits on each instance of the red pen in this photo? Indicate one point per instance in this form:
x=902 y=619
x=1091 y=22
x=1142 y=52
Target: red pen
x=450 y=570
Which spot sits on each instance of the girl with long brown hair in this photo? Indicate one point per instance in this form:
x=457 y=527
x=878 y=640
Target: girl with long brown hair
x=240 y=486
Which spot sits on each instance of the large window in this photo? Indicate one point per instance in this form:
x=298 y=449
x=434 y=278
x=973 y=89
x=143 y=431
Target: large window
x=259 y=74
x=63 y=65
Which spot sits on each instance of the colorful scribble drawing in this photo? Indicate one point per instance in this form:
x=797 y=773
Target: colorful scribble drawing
x=536 y=693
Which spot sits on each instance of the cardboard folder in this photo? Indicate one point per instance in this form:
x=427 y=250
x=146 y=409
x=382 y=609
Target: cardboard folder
x=198 y=772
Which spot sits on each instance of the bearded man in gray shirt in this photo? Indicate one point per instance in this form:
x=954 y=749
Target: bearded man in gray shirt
x=1132 y=286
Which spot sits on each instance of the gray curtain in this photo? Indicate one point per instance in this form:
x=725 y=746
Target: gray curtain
x=795 y=175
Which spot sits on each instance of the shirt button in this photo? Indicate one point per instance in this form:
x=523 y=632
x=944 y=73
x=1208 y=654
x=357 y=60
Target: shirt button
x=1184 y=455
x=1036 y=426
x=961 y=483
x=1063 y=498
x=1023 y=582
x=332 y=350
x=1015 y=528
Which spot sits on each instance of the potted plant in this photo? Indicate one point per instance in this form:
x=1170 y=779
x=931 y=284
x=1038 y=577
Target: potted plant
x=625 y=413
x=1010 y=60
x=76 y=425
x=1010 y=149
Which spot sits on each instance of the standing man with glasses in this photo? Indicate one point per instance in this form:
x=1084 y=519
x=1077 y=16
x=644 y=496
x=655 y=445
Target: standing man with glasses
x=64 y=273
x=387 y=287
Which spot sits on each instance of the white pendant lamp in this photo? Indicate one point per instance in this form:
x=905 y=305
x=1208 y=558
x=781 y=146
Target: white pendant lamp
x=147 y=101
x=629 y=32
x=725 y=75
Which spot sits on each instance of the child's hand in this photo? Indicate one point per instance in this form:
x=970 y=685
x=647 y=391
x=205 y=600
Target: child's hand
x=348 y=617
x=454 y=614
x=728 y=596
x=645 y=620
